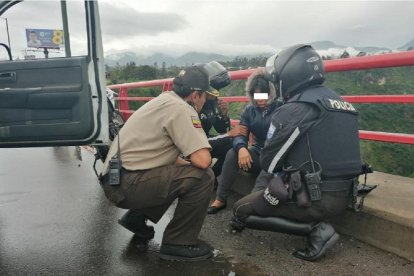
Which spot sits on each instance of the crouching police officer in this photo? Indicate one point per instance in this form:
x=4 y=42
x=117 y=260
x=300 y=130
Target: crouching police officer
x=311 y=158
x=144 y=173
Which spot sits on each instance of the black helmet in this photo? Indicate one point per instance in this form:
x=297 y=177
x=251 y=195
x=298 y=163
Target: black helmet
x=295 y=68
x=219 y=77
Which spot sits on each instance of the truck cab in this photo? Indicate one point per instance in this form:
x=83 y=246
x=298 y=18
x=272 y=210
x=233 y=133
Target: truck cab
x=52 y=74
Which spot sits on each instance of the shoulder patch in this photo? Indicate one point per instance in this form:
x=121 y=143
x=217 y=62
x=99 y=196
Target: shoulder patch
x=338 y=105
x=270 y=131
x=196 y=121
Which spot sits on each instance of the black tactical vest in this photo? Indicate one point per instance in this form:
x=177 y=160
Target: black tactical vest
x=333 y=138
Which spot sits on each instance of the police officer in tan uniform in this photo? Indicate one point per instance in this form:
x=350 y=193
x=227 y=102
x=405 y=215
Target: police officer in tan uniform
x=153 y=174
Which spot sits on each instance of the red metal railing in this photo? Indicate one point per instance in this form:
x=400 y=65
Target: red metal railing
x=357 y=63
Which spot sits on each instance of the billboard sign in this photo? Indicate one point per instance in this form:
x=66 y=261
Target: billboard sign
x=44 y=38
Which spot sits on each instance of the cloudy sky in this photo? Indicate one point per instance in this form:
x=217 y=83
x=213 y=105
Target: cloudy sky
x=253 y=25
x=175 y=27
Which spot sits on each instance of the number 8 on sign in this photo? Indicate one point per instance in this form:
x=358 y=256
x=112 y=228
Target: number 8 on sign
x=57 y=37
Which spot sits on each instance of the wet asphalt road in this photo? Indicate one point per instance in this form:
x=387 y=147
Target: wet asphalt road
x=55 y=220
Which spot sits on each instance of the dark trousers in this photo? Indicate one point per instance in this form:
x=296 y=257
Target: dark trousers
x=231 y=169
x=151 y=192
x=331 y=204
x=219 y=149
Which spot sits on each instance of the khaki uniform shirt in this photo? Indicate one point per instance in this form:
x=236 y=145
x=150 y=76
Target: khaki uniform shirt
x=157 y=133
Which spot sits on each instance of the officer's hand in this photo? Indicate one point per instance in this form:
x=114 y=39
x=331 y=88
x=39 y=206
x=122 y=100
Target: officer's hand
x=223 y=106
x=238 y=130
x=245 y=160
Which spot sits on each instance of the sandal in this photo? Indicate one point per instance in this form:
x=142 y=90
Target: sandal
x=211 y=210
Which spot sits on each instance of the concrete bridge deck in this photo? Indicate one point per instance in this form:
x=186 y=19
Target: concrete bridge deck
x=55 y=220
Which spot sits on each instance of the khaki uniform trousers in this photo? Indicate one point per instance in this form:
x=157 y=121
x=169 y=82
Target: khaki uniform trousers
x=151 y=192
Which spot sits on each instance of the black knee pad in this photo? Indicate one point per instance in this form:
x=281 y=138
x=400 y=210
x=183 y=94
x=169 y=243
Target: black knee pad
x=281 y=225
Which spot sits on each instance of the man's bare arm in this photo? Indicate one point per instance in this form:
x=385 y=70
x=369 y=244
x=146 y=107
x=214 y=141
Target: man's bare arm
x=201 y=158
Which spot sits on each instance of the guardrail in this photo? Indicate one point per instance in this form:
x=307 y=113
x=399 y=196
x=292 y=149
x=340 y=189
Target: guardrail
x=338 y=65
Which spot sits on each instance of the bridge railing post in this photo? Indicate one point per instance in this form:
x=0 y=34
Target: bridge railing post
x=123 y=105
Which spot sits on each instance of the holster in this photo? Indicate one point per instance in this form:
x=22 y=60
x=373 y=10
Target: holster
x=298 y=191
x=353 y=199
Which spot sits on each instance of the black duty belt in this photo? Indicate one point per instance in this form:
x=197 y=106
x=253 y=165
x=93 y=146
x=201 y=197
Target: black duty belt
x=105 y=177
x=336 y=185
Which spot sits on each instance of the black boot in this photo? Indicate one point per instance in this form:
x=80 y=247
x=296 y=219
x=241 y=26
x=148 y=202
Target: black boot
x=188 y=253
x=136 y=222
x=319 y=236
x=237 y=224
x=322 y=237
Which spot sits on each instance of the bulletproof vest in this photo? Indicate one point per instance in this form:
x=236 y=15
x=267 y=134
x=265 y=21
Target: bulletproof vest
x=333 y=137
x=208 y=115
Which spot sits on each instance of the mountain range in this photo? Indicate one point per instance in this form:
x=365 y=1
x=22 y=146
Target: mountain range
x=326 y=48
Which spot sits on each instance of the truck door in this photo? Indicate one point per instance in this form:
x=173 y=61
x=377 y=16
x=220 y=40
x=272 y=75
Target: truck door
x=52 y=78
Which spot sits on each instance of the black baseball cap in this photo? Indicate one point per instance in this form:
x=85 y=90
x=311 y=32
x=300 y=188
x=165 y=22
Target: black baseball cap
x=213 y=92
x=194 y=78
